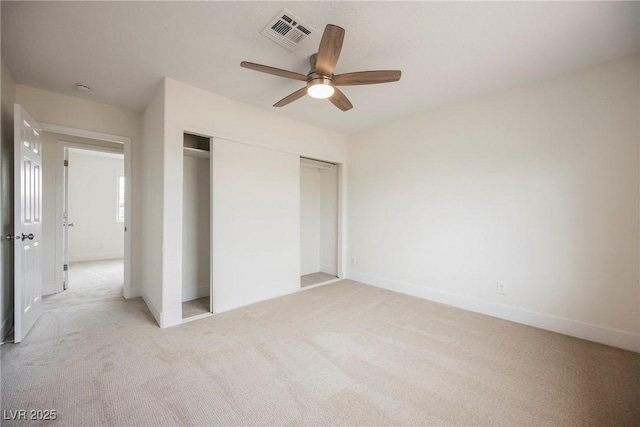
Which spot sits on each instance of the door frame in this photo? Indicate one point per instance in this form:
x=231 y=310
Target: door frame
x=82 y=133
x=341 y=232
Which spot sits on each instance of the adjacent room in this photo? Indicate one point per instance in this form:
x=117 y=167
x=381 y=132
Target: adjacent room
x=94 y=219
x=294 y=213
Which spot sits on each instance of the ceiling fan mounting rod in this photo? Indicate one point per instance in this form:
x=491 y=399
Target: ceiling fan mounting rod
x=313 y=74
x=312 y=61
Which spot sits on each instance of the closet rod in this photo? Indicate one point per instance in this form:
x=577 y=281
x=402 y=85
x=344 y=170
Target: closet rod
x=315 y=166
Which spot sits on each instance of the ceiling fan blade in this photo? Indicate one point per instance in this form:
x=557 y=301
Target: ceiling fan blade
x=290 y=98
x=340 y=100
x=367 y=77
x=274 y=71
x=329 y=50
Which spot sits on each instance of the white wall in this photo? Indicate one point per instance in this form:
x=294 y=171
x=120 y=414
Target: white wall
x=7 y=94
x=93 y=206
x=309 y=220
x=51 y=163
x=256 y=224
x=152 y=169
x=329 y=220
x=198 y=111
x=535 y=187
x=196 y=228
x=63 y=110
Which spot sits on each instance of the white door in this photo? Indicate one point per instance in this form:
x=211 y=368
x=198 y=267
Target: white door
x=28 y=223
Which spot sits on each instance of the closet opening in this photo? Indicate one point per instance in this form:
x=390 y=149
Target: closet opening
x=196 y=227
x=319 y=210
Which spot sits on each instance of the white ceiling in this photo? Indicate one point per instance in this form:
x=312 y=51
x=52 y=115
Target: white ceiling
x=446 y=51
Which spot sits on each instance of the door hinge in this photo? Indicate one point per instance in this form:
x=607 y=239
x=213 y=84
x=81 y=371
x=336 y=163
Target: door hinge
x=66 y=163
x=65 y=267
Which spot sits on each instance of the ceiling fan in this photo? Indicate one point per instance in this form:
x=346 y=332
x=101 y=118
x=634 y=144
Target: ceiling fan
x=321 y=82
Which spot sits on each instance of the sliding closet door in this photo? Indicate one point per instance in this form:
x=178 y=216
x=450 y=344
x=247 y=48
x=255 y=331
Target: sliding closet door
x=256 y=224
x=329 y=220
x=309 y=220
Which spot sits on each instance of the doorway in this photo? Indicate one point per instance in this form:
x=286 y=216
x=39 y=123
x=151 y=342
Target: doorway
x=319 y=214
x=61 y=138
x=196 y=227
x=93 y=219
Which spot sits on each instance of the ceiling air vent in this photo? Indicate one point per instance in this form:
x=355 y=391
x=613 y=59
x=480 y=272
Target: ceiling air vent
x=287 y=30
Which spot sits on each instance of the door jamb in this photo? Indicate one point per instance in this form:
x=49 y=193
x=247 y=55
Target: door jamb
x=126 y=142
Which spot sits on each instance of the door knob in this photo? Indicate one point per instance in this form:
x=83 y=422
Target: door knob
x=26 y=236
x=70 y=224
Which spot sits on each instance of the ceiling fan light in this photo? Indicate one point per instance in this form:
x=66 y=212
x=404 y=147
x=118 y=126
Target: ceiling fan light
x=320 y=88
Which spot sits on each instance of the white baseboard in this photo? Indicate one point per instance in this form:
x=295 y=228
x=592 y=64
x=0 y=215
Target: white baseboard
x=95 y=256
x=329 y=269
x=6 y=326
x=164 y=319
x=151 y=306
x=190 y=294
x=134 y=292
x=600 y=334
x=171 y=318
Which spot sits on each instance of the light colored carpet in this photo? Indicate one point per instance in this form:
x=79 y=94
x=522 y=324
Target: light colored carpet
x=96 y=274
x=315 y=278
x=195 y=307
x=340 y=354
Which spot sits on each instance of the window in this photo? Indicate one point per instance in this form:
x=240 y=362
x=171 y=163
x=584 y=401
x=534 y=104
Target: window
x=120 y=215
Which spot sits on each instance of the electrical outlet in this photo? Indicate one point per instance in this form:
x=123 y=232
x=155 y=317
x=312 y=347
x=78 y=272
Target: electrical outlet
x=353 y=260
x=501 y=288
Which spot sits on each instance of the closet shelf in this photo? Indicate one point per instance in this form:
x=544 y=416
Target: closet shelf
x=195 y=152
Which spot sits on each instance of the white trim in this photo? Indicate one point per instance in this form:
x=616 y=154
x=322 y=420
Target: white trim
x=306 y=288
x=212 y=291
x=128 y=290
x=164 y=319
x=152 y=307
x=83 y=133
x=171 y=318
x=574 y=328
x=118 y=198
x=342 y=223
x=197 y=317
